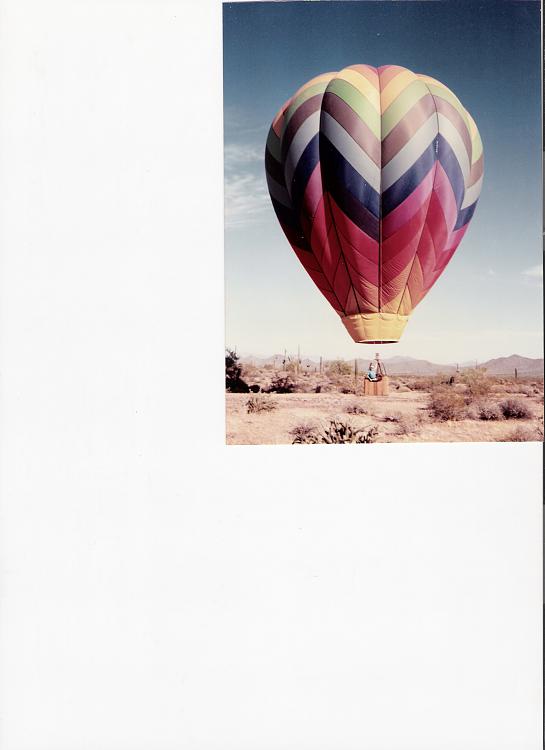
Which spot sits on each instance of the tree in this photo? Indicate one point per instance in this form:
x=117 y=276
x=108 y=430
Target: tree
x=233 y=371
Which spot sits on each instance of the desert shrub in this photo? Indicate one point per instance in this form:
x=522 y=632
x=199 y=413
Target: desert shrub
x=346 y=390
x=305 y=432
x=521 y=435
x=420 y=384
x=344 y=432
x=356 y=408
x=407 y=424
x=478 y=385
x=489 y=411
x=338 y=367
x=472 y=412
x=336 y=432
x=260 y=403
x=426 y=382
x=513 y=409
x=526 y=390
x=395 y=416
x=446 y=404
x=282 y=384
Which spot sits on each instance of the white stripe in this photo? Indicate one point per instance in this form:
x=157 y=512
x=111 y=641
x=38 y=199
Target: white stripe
x=350 y=150
x=410 y=153
x=472 y=193
x=301 y=140
x=454 y=140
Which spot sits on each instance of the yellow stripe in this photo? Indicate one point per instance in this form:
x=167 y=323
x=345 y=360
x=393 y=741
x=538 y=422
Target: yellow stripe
x=404 y=102
x=476 y=143
x=363 y=85
x=356 y=101
x=439 y=89
x=304 y=93
x=395 y=87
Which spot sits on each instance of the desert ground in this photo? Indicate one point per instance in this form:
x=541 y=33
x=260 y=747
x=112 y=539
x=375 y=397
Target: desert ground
x=330 y=407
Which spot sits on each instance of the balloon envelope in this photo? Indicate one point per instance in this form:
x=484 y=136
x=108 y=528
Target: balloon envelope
x=374 y=175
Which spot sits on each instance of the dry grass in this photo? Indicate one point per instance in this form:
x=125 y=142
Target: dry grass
x=357 y=408
x=522 y=435
x=260 y=403
x=446 y=404
x=439 y=412
x=303 y=432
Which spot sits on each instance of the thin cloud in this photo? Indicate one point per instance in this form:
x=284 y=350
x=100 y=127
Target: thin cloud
x=246 y=199
x=239 y=123
x=246 y=196
x=534 y=271
x=236 y=154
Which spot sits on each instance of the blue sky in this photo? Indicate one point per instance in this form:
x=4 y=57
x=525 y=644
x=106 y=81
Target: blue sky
x=488 y=302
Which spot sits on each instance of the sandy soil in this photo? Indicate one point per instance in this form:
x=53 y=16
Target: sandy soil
x=399 y=417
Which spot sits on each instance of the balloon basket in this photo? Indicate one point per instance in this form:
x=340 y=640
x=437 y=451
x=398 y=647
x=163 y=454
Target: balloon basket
x=376 y=387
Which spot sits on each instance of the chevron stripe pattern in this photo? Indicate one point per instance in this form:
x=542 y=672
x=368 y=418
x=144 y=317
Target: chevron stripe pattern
x=374 y=175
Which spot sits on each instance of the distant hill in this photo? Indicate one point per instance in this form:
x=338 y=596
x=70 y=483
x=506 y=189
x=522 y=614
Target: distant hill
x=409 y=366
x=399 y=365
x=507 y=365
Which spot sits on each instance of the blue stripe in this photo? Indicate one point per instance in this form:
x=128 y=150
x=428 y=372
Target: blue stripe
x=290 y=225
x=274 y=168
x=465 y=216
x=305 y=167
x=450 y=164
x=359 y=201
x=409 y=181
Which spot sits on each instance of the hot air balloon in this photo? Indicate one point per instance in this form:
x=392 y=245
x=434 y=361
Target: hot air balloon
x=374 y=175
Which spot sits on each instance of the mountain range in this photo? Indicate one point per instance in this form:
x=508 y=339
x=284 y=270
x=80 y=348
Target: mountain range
x=409 y=366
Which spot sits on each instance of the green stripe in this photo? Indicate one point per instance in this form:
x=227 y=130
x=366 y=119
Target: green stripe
x=317 y=88
x=358 y=102
x=400 y=106
x=448 y=96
